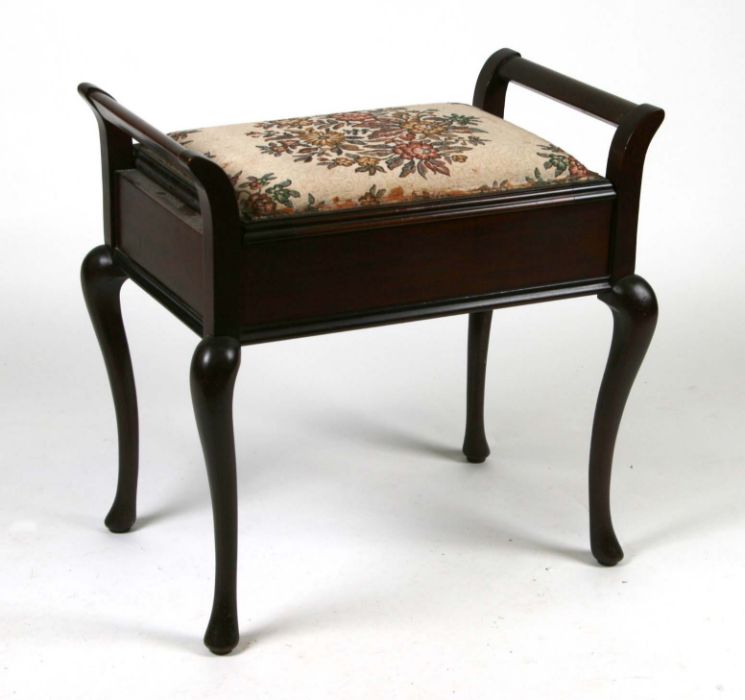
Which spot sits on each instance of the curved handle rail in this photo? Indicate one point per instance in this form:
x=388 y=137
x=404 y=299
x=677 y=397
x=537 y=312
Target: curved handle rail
x=116 y=114
x=636 y=125
x=217 y=202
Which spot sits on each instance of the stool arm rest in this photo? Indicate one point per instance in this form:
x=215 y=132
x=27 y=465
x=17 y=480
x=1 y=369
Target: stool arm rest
x=506 y=66
x=118 y=126
x=636 y=125
x=116 y=114
x=586 y=98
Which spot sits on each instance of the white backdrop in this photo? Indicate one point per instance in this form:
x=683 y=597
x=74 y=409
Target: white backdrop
x=374 y=562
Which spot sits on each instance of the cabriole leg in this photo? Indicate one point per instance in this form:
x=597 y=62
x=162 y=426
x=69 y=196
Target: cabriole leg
x=634 y=308
x=475 y=446
x=102 y=279
x=214 y=368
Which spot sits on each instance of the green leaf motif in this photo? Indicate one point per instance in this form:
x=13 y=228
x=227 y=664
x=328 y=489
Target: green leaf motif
x=394 y=162
x=408 y=169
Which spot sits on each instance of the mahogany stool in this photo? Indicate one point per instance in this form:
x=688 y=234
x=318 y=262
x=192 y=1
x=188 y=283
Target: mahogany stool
x=280 y=229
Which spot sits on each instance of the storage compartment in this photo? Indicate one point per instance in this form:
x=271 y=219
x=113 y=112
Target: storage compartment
x=301 y=278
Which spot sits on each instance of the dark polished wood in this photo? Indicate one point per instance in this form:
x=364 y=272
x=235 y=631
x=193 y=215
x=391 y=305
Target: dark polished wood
x=475 y=446
x=214 y=368
x=102 y=279
x=237 y=284
x=302 y=278
x=152 y=225
x=636 y=125
x=625 y=164
x=218 y=207
x=420 y=312
x=489 y=94
x=548 y=82
x=634 y=308
x=397 y=264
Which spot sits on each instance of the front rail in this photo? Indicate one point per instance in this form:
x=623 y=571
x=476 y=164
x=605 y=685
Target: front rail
x=636 y=125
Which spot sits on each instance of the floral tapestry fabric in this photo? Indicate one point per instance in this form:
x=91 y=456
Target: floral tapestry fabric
x=376 y=157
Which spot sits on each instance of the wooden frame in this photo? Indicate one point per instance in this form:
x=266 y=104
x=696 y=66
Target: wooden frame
x=237 y=284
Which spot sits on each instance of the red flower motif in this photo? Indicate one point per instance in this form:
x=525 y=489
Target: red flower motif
x=576 y=169
x=261 y=204
x=416 y=149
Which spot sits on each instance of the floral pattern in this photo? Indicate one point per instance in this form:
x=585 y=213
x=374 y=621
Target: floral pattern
x=404 y=140
x=560 y=162
x=404 y=154
x=256 y=197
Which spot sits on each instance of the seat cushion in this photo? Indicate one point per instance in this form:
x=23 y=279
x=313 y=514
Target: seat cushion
x=379 y=157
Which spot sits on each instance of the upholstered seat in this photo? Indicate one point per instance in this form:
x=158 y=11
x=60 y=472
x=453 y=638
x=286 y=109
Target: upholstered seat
x=375 y=157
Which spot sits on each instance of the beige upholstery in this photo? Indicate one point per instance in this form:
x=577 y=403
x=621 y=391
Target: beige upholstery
x=377 y=157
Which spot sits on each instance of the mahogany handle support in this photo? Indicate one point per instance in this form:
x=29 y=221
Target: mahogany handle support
x=636 y=125
x=118 y=126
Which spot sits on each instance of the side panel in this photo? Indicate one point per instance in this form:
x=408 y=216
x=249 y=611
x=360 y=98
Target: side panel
x=161 y=235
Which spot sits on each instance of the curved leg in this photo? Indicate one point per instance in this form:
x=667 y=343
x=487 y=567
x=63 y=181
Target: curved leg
x=102 y=279
x=634 y=308
x=475 y=446
x=214 y=368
